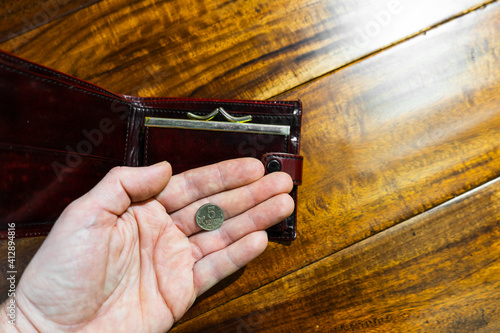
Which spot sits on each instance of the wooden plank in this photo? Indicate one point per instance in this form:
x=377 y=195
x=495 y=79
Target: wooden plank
x=20 y=16
x=387 y=139
x=235 y=49
x=25 y=249
x=437 y=272
x=354 y=187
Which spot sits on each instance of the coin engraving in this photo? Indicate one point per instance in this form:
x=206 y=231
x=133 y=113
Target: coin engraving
x=209 y=217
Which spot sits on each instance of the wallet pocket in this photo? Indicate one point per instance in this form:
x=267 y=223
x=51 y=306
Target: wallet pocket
x=186 y=149
x=186 y=144
x=34 y=190
x=60 y=135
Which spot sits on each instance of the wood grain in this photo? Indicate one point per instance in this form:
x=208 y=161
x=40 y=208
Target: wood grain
x=437 y=272
x=260 y=48
x=386 y=139
x=237 y=49
x=18 y=17
x=25 y=250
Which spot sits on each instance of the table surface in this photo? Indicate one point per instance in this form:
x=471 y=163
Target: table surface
x=398 y=218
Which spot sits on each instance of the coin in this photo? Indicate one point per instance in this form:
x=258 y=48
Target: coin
x=209 y=217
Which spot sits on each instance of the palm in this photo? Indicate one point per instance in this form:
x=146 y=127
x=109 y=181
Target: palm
x=139 y=265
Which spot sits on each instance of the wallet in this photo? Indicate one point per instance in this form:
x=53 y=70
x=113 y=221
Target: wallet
x=60 y=135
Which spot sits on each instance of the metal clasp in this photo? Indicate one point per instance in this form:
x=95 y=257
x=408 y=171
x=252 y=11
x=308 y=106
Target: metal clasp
x=234 y=124
x=223 y=112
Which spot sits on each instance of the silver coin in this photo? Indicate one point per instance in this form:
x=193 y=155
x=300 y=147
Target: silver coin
x=209 y=217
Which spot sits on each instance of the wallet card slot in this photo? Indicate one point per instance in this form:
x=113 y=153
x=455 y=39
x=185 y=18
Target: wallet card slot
x=217 y=126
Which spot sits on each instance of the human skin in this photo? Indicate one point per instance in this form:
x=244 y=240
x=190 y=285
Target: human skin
x=128 y=256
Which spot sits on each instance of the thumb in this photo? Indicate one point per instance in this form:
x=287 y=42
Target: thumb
x=125 y=185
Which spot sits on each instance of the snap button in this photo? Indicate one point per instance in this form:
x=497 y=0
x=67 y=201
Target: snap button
x=273 y=166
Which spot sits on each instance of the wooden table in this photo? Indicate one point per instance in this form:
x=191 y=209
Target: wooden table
x=400 y=207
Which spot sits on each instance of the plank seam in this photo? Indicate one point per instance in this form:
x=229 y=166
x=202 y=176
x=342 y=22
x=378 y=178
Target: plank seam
x=496 y=177
x=486 y=183
x=57 y=17
x=390 y=46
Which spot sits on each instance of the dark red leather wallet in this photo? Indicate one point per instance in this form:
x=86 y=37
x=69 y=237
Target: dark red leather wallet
x=60 y=135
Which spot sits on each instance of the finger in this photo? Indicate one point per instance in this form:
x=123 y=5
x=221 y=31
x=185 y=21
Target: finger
x=258 y=218
x=218 y=265
x=236 y=201
x=124 y=185
x=199 y=183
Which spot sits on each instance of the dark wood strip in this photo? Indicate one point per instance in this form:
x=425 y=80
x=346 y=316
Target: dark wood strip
x=235 y=49
x=18 y=17
x=25 y=249
x=437 y=272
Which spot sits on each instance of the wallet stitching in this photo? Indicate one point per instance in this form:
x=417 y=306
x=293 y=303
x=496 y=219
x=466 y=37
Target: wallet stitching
x=125 y=154
x=48 y=80
x=24 y=233
x=222 y=102
x=36 y=224
x=285 y=144
x=281 y=155
x=284 y=156
x=52 y=81
x=59 y=75
x=147 y=146
x=151 y=100
x=27 y=234
x=181 y=99
x=284 y=116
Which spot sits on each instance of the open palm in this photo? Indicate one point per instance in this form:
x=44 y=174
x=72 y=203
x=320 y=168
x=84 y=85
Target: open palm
x=128 y=255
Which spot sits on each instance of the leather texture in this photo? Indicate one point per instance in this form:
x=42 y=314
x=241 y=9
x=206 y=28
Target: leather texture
x=289 y=163
x=60 y=135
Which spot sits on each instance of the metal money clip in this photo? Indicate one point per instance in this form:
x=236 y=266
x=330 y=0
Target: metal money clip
x=233 y=124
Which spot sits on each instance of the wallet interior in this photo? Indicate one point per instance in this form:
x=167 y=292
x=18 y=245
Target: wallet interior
x=60 y=135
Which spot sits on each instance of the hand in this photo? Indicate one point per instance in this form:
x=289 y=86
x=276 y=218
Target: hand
x=128 y=256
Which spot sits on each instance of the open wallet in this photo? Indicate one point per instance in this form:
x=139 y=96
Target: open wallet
x=60 y=135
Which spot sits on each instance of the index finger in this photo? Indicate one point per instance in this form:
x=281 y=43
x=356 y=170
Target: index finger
x=192 y=185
